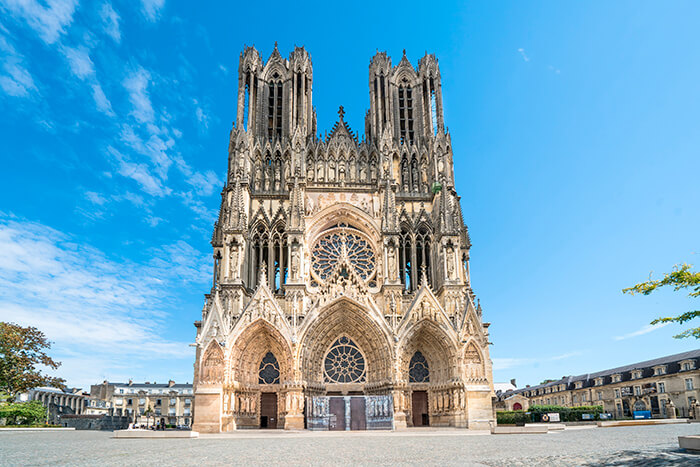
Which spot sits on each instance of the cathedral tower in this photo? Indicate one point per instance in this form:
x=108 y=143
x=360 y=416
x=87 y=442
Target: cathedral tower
x=341 y=295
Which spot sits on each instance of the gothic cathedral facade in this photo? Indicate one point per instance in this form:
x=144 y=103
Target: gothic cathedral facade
x=341 y=296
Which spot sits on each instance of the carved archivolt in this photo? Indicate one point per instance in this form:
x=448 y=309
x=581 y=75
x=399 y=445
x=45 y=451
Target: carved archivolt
x=252 y=346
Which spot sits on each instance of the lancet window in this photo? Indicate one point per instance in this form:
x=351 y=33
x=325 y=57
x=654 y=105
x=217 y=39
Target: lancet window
x=269 y=372
x=406 y=113
x=269 y=251
x=415 y=251
x=274 y=109
x=418 y=370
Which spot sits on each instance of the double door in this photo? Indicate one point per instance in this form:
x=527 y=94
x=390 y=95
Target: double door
x=342 y=407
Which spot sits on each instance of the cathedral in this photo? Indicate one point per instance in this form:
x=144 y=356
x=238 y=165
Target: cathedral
x=341 y=296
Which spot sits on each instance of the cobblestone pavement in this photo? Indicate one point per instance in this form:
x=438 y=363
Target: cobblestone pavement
x=635 y=446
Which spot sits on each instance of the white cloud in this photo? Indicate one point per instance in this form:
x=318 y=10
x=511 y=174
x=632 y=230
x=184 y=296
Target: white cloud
x=49 y=21
x=223 y=68
x=81 y=64
x=101 y=313
x=95 y=198
x=110 y=22
x=136 y=83
x=202 y=117
x=644 y=330
x=139 y=173
x=101 y=101
x=15 y=79
x=521 y=51
x=152 y=8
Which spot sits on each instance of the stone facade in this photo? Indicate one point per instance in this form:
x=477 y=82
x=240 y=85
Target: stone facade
x=169 y=403
x=653 y=385
x=341 y=266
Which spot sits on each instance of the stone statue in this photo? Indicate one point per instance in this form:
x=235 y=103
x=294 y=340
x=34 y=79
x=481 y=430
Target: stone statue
x=450 y=258
x=233 y=261
x=391 y=254
x=295 y=262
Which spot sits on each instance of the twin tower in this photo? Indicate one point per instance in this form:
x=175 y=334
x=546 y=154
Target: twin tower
x=341 y=296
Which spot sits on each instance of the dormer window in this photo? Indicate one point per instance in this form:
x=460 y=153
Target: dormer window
x=579 y=384
x=688 y=365
x=599 y=381
x=636 y=374
x=660 y=370
x=616 y=378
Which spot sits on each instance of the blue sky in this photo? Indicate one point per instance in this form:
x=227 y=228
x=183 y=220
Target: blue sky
x=575 y=127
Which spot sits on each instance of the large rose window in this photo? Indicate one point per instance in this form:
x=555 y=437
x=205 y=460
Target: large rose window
x=343 y=245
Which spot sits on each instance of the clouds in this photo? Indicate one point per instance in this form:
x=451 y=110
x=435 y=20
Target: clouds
x=136 y=84
x=152 y=9
x=640 y=332
x=50 y=21
x=110 y=22
x=94 y=304
x=522 y=53
x=15 y=79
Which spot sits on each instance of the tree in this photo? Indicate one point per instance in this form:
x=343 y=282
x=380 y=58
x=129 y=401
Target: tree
x=23 y=413
x=21 y=350
x=548 y=381
x=680 y=278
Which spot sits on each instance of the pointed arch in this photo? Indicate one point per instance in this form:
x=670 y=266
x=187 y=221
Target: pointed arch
x=473 y=362
x=435 y=345
x=251 y=347
x=345 y=317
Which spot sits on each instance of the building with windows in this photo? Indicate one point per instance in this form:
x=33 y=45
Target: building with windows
x=341 y=296
x=148 y=403
x=649 y=385
x=72 y=401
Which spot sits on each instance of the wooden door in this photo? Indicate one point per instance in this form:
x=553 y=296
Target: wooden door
x=268 y=410
x=337 y=414
x=358 y=420
x=420 y=408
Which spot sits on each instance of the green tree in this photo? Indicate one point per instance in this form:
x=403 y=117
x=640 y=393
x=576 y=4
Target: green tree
x=23 y=413
x=680 y=278
x=21 y=350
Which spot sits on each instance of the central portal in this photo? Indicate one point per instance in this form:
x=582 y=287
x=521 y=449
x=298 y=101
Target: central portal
x=343 y=413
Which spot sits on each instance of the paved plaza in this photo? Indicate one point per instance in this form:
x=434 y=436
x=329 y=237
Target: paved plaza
x=643 y=446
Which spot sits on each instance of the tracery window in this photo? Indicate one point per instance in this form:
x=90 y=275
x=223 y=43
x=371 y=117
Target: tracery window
x=269 y=372
x=343 y=245
x=415 y=252
x=418 y=371
x=344 y=363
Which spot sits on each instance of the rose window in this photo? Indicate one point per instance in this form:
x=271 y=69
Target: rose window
x=344 y=363
x=343 y=245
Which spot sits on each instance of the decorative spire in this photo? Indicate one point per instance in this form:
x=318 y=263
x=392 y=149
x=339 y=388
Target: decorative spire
x=423 y=276
x=341 y=112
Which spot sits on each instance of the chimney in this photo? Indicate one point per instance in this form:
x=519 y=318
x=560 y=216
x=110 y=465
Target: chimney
x=527 y=385
x=512 y=381
x=171 y=383
x=130 y=382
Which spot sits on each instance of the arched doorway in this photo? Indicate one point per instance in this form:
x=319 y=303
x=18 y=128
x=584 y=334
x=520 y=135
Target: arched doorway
x=346 y=362
x=427 y=363
x=261 y=364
